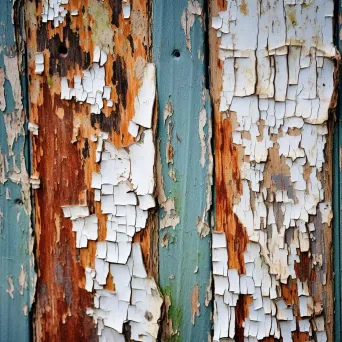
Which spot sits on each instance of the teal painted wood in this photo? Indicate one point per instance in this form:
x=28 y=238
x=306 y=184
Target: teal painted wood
x=185 y=156
x=337 y=196
x=16 y=261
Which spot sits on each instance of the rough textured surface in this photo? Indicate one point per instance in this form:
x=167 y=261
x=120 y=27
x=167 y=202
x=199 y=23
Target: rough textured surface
x=90 y=43
x=17 y=278
x=184 y=169
x=337 y=195
x=272 y=84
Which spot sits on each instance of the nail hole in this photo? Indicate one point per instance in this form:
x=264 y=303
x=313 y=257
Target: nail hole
x=62 y=50
x=18 y=201
x=323 y=84
x=176 y=53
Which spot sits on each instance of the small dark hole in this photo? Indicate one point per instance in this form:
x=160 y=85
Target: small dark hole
x=62 y=50
x=323 y=84
x=18 y=201
x=176 y=53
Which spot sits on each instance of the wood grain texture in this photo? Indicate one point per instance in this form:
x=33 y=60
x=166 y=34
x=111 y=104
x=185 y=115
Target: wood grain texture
x=17 y=277
x=184 y=168
x=63 y=153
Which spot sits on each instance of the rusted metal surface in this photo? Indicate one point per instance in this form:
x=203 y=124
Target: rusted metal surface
x=64 y=155
x=271 y=65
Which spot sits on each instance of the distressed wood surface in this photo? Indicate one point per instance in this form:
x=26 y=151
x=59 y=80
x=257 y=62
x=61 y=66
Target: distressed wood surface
x=65 y=153
x=272 y=84
x=337 y=193
x=17 y=278
x=184 y=169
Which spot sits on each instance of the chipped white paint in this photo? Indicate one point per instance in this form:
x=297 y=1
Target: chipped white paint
x=33 y=128
x=188 y=19
x=53 y=10
x=143 y=103
x=2 y=90
x=35 y=182
x=277 y=86
x=124 y=187
x=126 y=10
x=10 y=290
x=91 y=88
x=39 y=62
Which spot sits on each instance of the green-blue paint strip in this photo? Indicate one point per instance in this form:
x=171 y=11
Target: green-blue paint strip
x=181 y=76
x=15 y=322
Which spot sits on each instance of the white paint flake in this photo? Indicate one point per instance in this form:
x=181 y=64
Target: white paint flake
x=126 y=10
x=53 y=10
x=143 y=103
x=33 y=128
x=90 y=88
x=39 y=61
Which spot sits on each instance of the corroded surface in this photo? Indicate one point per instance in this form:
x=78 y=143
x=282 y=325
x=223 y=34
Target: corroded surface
x=64 y=152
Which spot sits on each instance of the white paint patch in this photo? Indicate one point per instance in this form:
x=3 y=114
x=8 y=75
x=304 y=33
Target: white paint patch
x=91 y=88
x=33 y=128
x=136 y=298
x=144 y=101
x=54 y=11
x=278 y=83
x=124 y=187
x=39 y=62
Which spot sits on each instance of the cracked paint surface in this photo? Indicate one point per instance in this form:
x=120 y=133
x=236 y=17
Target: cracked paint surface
x=124 y=187
x=270 y=252
x=17 y=277
x=125 y=201
x=86 y=67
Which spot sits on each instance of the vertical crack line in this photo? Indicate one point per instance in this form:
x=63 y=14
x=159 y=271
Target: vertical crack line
x=206 y=13
x=337 y=190
x=211 y=121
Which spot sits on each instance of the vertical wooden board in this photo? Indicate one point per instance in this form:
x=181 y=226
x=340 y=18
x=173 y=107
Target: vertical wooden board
x=184 y=169
x=64 y=150
x=17 y=279
x=337 y=193
x=270 y=66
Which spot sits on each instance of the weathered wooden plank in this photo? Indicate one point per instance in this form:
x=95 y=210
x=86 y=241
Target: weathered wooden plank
x=337 y=195
x=184 y=168
x=272 y=83
x=70 y=147
x=17 y=279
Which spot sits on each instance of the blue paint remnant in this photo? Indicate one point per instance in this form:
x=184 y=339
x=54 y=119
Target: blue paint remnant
x=16 y=259
x=184 y=256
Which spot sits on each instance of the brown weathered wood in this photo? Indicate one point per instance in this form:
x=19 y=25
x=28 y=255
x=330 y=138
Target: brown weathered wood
x=64 y=156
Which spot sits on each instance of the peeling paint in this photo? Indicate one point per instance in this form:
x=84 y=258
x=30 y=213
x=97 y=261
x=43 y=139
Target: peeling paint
x=125 y=199
x=277 y=87
x=124 y=187
x=188 y=19
x=195 y=305
x=94 y=62
x=17 y=279
x=10 y=290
